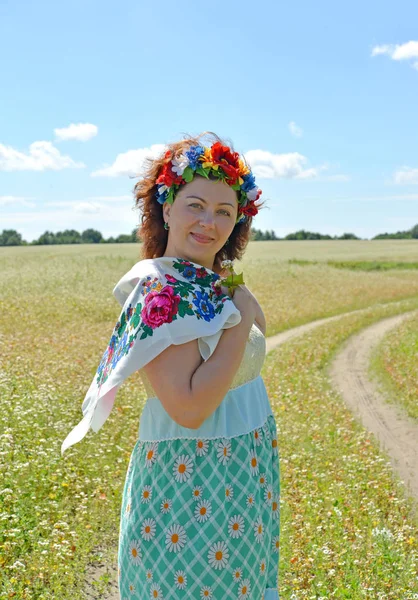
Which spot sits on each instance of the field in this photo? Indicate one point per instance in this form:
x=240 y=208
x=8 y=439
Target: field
x=348 y=527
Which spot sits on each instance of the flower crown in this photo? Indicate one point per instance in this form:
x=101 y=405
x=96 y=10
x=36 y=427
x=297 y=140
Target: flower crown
x=218 y=160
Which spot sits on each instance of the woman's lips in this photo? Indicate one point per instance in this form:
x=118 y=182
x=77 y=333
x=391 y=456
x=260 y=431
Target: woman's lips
x=200 y=239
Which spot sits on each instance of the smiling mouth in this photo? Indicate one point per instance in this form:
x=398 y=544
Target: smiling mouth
x=201 y=237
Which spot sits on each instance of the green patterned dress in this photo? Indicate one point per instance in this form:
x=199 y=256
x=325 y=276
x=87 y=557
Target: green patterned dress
x=200 y=513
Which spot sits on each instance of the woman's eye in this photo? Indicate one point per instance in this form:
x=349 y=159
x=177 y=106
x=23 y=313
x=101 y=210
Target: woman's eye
x=200 y=206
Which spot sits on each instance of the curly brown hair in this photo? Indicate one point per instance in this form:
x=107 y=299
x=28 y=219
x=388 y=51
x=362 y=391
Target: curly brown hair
x=151 y=231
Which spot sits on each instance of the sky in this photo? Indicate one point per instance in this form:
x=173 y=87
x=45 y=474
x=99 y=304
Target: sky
x=320 y=97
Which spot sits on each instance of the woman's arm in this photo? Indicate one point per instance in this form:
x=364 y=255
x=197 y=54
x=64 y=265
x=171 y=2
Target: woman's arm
x=260 y=320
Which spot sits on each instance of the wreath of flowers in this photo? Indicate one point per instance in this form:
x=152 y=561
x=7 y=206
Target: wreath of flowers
x=218 y=160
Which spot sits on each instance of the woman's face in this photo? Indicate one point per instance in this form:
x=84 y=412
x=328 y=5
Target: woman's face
x=203 y=207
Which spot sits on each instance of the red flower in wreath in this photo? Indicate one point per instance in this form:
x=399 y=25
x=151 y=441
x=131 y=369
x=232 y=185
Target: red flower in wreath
x=250 y=210
x=228 y=160
x=167 y=176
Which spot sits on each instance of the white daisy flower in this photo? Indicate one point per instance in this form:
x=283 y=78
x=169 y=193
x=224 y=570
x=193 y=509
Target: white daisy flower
x=237 y=574
x=275 y=544
x=268 y=494
x=258 y=436
x=166 y=505
x=244 y=590
x=151 y=455
x=180 y=579
x=218 y=555
x=135 y=552
x=229 y=492
x=276 y=506
x=149 y=575
x=236 y=526
x=206 y=592
x=183 y=468
x=274 y=445
x=132 y=588
x=148 y=529
x=202 y=447
x=146 y=494
x=155 y=592
x=179 y=164
x=263 y=566
x=224 y=451
x=176 y=538
x=253 y=462
x=262 y=479
x=250 y=500
x=197 y=492
x=203 y=511
x=259 y=529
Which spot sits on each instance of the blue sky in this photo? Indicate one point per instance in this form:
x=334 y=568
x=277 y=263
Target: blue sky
x=321 y=97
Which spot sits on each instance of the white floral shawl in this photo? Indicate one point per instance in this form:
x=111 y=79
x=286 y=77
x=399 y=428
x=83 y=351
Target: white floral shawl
x=165 y=300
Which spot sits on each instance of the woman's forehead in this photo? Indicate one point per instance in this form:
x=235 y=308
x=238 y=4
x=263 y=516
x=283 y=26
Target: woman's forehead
x=209 y=190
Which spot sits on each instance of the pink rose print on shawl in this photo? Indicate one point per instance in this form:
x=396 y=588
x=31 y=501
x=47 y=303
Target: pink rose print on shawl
x=160 y=307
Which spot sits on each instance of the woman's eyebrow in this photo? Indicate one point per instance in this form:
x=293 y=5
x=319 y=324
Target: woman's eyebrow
x=203 y=200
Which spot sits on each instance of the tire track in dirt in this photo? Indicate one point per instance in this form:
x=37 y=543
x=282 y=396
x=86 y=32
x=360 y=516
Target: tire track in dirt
x=395 y=431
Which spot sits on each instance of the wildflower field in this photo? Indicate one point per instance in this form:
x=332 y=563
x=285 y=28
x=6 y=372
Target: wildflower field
x=348 y=530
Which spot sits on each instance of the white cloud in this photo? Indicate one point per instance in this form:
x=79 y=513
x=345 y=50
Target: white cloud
x=406 y=175
x=295 y=130
x=77 y=131
x=42 y=156
x=13 y=200
x=406 y=51
x=281 y=166
x=130 y=163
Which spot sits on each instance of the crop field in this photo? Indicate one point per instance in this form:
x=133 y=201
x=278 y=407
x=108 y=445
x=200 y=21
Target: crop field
x=348 y=527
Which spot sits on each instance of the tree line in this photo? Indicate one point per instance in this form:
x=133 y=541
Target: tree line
x=11 y=237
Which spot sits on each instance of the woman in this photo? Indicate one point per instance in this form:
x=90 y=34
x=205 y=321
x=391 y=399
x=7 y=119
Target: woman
x=200 y=511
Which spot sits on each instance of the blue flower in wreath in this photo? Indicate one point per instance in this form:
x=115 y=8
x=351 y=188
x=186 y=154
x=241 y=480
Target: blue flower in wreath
x=204 y=307
x=189 y=272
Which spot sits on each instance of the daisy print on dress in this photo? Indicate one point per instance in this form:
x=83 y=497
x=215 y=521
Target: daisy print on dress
x=202 y=447
x=148 y=529
x=135 y=552
x=244 y=590
x=237 y=574
x=166 y=505
x=259 y=530
x=263 y=566
x=146 y=494
x=276 y=505
x=183 y=468
x=180 y=580
x=224 y=451
x=197 y=492
x=262 y=479
x=258 y=436
x=253 y=462
x=268 y=494
x=218 y=555
x=151 y=455
x=203 y=511
x=155 y=592
x=250 y=500
x=229 y=492
x=236 y=526
x=206 y=592
x=175 y=538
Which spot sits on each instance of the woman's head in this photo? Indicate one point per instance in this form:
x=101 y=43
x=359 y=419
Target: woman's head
x=193 y=190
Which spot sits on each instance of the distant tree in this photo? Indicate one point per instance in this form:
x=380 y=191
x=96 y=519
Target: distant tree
x=10 y=237
x=91 y=236
x=414 y=232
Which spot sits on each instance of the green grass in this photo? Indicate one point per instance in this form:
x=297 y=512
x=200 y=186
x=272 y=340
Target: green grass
x=358 y=265
x=57 y=316
x=394 y=365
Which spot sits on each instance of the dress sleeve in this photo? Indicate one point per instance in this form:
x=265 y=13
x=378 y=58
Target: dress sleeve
x=157 y=310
